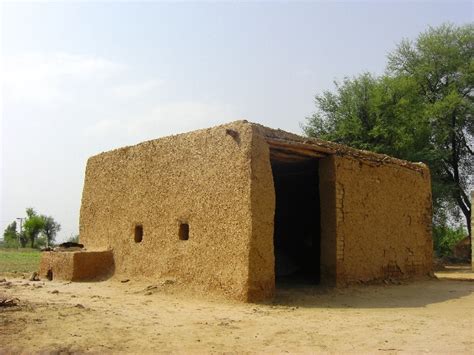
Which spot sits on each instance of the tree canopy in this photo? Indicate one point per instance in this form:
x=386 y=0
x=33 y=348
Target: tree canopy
x=10 y=235
x=50 y=229
x=33 y=226
x=421 y=109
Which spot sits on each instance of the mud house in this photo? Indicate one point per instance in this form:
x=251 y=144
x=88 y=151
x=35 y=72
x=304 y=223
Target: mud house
x=233 y=209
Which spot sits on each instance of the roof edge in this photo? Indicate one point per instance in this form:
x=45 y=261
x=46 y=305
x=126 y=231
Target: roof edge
x=313 y=144
x=328 y=148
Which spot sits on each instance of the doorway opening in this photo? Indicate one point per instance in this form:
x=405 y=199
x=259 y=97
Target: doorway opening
x=297 y=225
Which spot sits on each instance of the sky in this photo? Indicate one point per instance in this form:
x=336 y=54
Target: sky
x=80 y=78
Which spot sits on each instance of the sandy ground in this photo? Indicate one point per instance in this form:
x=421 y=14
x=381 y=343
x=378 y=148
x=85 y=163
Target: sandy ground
x=426 y=316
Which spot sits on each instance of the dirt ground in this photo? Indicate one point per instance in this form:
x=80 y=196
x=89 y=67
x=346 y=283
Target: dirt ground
x=425 y=316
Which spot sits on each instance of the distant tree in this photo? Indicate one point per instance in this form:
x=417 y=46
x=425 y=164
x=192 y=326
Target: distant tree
x=420 y=110
x=41 y=241
x=23 y=238
x=10 y=235
x=50 y=229
x=33 y=225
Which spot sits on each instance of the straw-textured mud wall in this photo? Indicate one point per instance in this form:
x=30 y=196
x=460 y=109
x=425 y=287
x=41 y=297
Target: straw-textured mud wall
x=383 y=221
x=261 y=257
x=327 y=191
x=60 y=264
x=202 y=179
x=199 y=208
x=375 y=212
x=76 y=266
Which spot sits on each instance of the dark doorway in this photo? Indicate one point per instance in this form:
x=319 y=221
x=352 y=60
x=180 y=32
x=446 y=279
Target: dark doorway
x=297 y=236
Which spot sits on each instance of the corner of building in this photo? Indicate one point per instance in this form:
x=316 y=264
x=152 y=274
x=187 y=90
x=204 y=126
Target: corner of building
x=261 y=267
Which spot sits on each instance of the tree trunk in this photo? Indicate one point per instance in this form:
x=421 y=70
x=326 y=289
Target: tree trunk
x=460 y=195
x=465 y=208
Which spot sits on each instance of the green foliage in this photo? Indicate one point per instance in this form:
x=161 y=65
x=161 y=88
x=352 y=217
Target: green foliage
x=23 y=238
x=441 y=62
x=445 y=238
x=420 y=110
x=50 y=229
x=10 y=236
x=38 y=230
x=41 y=241
x=32 y=226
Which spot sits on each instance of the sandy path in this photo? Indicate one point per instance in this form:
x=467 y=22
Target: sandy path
x=428 y=316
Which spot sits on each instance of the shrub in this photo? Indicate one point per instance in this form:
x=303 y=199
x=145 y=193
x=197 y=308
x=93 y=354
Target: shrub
x=445 y=238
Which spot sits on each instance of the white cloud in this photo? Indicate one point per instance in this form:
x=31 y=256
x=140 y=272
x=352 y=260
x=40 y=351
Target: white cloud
x=105 y=90
x=48 y=78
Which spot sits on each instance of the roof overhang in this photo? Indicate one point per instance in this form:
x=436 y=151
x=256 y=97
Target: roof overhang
x=289 y=151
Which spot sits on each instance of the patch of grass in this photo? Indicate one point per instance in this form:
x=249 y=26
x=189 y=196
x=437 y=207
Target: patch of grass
x=19 y=260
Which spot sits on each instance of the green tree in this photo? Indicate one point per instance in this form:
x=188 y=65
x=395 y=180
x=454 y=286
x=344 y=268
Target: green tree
x=10 y=235
x=23 y=238
x=420 y=110
x=50 y=229
x=441 y=62
x=33 y=225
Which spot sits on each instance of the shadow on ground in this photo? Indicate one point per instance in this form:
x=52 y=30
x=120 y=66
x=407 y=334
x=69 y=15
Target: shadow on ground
x=413 y=294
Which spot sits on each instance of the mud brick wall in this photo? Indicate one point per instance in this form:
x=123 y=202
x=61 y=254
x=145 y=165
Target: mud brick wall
x=261 y=257
x=383 y=221
x=327 y=190
x=76 y=266
x=60 y=264
x=202 y=179
x=140 y=201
